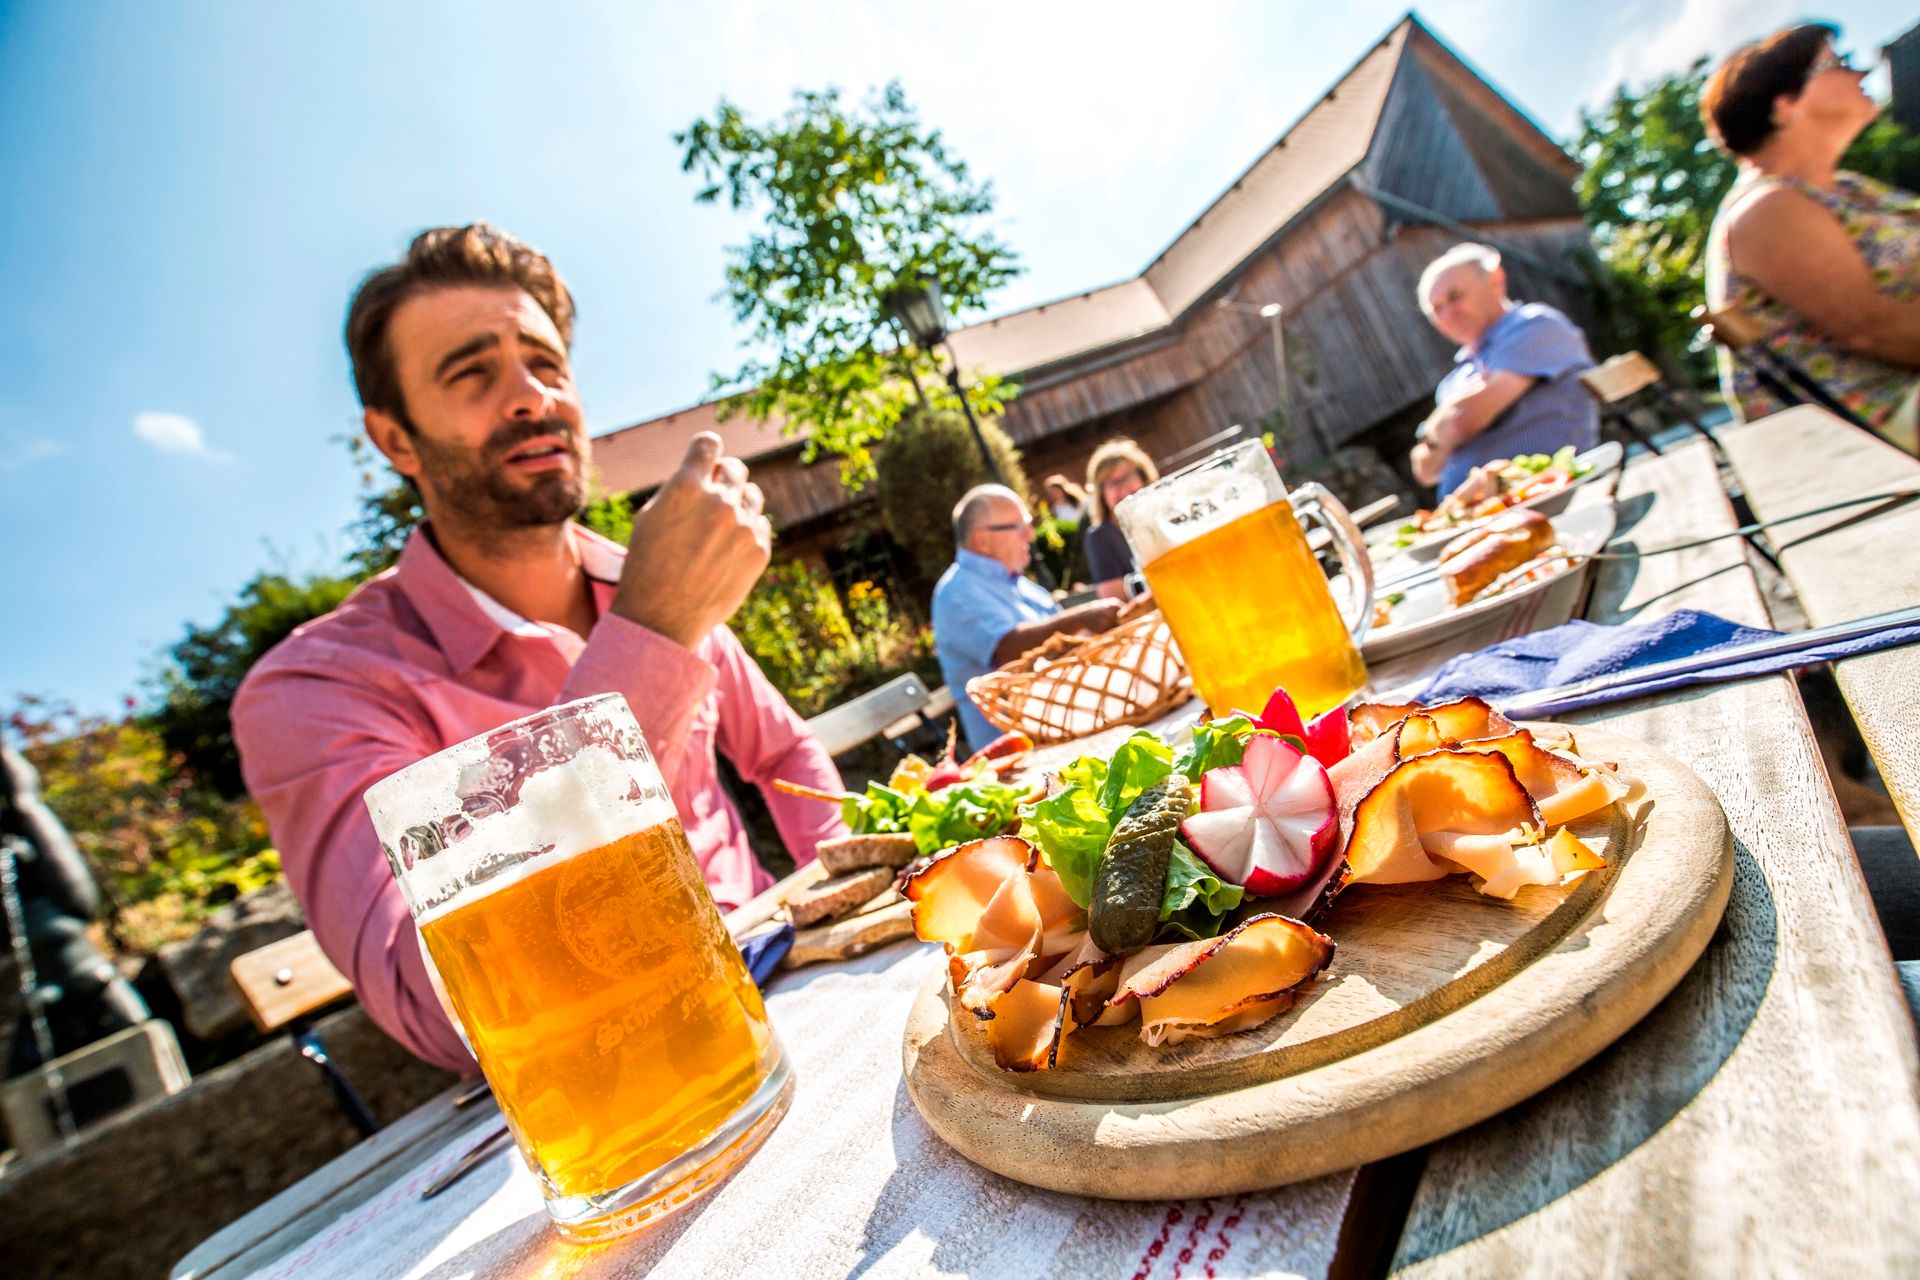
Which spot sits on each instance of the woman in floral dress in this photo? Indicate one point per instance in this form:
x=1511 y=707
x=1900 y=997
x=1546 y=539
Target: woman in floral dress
x=1826 y=262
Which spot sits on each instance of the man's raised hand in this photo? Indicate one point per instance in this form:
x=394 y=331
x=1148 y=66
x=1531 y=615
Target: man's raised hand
x=698 y=546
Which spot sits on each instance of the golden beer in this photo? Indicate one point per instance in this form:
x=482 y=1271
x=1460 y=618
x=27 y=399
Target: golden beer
x=1249 y=606
x=608 y=1008
x=577 y=946
x=1230 y=568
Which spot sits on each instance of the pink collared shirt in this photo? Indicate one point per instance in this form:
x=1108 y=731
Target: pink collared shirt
x=418 y=659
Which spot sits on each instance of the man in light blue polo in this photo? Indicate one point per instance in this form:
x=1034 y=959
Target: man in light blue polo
x=1515 y=385
x=986 y=614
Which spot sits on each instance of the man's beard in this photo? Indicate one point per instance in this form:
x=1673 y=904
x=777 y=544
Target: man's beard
x=475 y=488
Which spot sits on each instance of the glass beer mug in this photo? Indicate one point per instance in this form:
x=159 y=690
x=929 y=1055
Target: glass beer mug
x=1221 y=547
x=558 y=899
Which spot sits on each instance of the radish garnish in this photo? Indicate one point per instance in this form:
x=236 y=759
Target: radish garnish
x=1268 y=823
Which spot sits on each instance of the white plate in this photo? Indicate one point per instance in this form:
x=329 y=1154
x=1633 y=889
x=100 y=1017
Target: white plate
x=1425 y=619
x=1603 y=459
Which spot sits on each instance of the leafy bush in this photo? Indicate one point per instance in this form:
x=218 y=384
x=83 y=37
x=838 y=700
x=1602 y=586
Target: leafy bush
x=204 y=671
x=928 y=461
x=817 y=656
x=165 y=849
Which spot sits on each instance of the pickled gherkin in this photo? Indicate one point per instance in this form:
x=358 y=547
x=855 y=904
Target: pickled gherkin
x=1132 y=880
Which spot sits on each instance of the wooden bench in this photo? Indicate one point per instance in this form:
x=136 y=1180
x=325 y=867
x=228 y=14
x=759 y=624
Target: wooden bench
x=1629 y=386
x=1847 y=565
x=939 y=704
x=287 y=984
x=866 y=717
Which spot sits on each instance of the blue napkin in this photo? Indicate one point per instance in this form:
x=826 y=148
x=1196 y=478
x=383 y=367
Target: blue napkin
x=1578 y=651
x=764 y=951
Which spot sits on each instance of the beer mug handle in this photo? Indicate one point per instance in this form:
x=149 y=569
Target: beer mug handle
x=1314 y=502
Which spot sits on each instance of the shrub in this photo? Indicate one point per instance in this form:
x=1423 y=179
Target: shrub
x=796 y=629
x=927 y=462
x=165 y=849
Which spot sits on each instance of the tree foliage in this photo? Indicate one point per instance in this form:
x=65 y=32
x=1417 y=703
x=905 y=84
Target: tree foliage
x=1651 y=185
x=205 y=668
x=164 y=848
x=929 y=461
x=389 y=508
x=856 y=200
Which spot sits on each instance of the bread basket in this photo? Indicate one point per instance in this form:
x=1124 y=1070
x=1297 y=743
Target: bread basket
x=1072 y=686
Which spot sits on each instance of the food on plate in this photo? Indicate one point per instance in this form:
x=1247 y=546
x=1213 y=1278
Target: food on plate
x=1473 y=561
x=838 y=895
x=851 y=853
x=1127 y=889
x=1268 y=823
x=1490 y=489
x=1220 y=986
x=886 y=919
x=935 y=805
x=1190 y=889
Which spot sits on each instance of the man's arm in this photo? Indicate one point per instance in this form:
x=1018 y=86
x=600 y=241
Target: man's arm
x=310 y=746
x=767 y=740
x=1093 y=616
x=1477 y=407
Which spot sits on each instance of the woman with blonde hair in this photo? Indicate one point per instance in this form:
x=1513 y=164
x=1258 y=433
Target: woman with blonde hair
x=1116 y=469
x=1827 y=262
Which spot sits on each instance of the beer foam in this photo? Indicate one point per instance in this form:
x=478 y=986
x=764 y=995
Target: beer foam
x=591 y=800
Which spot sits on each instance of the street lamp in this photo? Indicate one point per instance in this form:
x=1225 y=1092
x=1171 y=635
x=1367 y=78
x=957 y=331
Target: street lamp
x=1271 y=313
x=923 y=311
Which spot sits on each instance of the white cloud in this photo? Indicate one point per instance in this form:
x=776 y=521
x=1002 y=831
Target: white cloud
x=1656 y=48
x=19 y=455
x=175 y=433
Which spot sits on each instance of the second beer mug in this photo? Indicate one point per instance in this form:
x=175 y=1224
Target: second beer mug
x=1221 y=546
x=610 y=1011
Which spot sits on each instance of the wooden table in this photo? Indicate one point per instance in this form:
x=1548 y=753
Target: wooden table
x=1765 y=1119
x=1843 y=566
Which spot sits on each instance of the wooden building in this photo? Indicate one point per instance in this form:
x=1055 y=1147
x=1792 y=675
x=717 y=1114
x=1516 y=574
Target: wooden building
x=1407 y=154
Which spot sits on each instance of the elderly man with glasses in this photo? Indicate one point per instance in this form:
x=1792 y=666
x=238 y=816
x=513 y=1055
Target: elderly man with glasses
x=985 y=613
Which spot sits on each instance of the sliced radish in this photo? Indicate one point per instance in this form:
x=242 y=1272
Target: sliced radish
x=1268 y=823
x=1282 y=717
x=1330 y=738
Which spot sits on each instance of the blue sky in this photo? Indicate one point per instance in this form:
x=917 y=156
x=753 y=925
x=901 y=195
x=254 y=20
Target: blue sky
x=188 y=193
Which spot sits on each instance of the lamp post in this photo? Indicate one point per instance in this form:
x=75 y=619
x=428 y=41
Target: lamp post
x=1272 y=313
x=923 y=311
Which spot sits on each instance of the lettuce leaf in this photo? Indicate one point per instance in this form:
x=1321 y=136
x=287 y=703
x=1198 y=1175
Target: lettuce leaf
x=935 y=819
x=881 y=811
x=1216 y=744
x=1197 y=900
x=962 y=812
x=1072 y=826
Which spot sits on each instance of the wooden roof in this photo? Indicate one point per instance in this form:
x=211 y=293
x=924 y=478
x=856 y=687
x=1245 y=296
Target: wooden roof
x=1409 y=116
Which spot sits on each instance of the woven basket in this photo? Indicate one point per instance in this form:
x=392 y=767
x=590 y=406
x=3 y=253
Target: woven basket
x=1072 y=686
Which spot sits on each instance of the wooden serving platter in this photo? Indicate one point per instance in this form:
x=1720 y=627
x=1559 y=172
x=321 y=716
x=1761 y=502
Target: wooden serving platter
x=1441 y=1008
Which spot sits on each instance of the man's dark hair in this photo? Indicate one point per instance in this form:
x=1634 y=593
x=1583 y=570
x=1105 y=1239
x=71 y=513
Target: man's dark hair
x=1737 y=104
x=443 y=257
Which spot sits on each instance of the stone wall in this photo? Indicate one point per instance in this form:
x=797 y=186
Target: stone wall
x=133 y=1196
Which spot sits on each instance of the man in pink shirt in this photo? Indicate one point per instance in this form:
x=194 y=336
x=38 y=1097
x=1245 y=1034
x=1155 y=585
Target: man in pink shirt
x=501 y=605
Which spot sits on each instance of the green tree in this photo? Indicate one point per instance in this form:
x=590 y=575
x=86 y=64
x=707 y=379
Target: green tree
x=389 y=508
x=1651 y=185
x=929 y=461
x=164 y=849
x=204 y=670
x=856 y=200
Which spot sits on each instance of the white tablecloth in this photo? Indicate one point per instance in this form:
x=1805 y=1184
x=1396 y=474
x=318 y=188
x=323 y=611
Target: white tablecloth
x=852 y=1183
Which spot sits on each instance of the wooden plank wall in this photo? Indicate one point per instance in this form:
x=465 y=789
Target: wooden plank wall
x=1421 y=155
